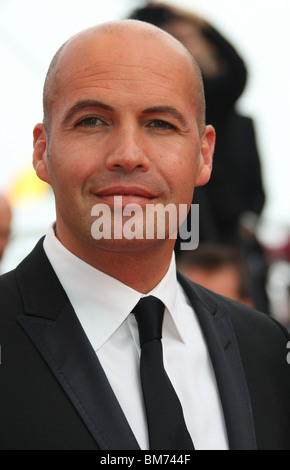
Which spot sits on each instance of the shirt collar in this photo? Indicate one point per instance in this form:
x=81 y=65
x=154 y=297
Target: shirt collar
x=101 y=302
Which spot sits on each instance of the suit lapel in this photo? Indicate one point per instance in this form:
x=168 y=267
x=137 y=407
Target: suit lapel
x=223 y=349
x=53 y=327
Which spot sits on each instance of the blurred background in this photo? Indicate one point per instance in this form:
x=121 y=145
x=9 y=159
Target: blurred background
x=254 y=32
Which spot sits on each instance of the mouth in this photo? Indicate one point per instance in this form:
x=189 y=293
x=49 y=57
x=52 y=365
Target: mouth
x=129 y=195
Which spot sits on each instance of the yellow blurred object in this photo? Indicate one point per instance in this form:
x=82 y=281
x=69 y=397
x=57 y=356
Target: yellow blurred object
x=27 y=187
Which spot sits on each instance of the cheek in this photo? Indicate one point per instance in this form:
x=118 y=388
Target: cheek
x=181 y=174
x=68 y=165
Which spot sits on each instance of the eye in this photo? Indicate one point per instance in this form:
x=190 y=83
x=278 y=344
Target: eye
x=161 y=125
x=90 y=121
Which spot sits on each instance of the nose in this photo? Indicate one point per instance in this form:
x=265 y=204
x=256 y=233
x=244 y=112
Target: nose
x=127 y=151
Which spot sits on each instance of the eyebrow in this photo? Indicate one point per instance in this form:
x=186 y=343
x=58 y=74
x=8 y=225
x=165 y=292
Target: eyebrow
x=85 y=104
x=99 y=104
x=167 y=110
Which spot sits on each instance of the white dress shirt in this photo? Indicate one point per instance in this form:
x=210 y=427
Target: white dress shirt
x=103 y=305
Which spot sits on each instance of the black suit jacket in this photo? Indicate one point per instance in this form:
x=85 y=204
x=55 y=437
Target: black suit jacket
x=55 y=395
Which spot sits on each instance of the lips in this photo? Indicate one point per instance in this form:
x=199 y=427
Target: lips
x=130 y=195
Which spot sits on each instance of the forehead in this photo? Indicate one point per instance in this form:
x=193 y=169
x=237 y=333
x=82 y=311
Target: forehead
x=144 y=67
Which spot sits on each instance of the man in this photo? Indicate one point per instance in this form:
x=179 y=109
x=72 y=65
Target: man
x=5 y=224
x=121 y=123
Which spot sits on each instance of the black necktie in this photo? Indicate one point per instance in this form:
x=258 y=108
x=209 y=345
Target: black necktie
x=166 y=425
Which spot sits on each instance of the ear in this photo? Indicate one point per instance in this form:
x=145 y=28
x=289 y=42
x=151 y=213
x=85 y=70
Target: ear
x=40 y=143
x=206 y=156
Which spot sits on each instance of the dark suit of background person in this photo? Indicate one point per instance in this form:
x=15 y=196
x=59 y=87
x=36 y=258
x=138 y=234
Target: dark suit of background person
x=54 y=393
x=235 y=193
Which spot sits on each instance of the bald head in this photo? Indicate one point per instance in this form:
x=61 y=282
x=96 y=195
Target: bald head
x=120 y=32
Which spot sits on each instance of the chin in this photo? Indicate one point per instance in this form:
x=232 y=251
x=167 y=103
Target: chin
x=131 y=246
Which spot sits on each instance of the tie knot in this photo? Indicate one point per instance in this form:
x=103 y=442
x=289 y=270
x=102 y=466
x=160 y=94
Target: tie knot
x=149 y=315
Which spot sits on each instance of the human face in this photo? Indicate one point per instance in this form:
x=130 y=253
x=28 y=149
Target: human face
x=224 y=281
x=122 y=123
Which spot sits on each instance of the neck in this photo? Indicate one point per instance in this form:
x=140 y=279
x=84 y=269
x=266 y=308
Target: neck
x=140 y=271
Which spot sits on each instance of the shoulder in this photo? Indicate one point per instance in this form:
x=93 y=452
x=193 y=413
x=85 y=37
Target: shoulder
x=8 y=286
x=253 y=329
x=261 y=339
x=24 y=280
x=11 y=305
